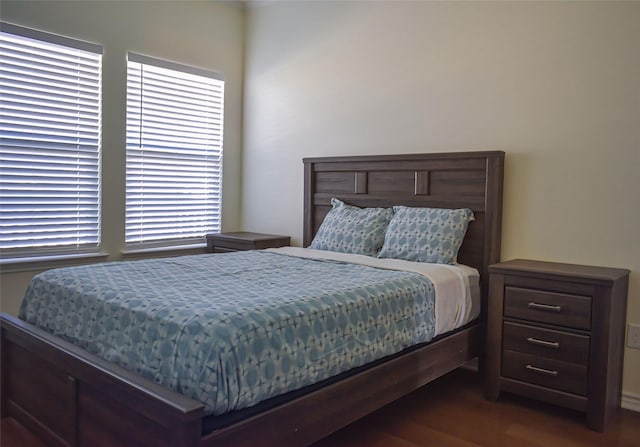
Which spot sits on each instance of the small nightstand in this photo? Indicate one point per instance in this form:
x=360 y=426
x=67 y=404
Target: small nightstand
x=243 y=240
x=555 y=332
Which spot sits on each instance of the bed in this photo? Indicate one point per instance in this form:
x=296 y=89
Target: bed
x=69 y=396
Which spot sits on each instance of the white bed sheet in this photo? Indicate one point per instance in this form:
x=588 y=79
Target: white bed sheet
x=457 y=286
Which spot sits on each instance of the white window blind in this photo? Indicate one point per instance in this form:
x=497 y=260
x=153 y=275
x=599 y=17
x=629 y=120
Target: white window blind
x=174 y=152
x=49 y=143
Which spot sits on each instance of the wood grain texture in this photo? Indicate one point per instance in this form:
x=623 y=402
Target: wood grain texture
x=451 y=412
x=244 y=240
x=586 y=307
x=442 y=180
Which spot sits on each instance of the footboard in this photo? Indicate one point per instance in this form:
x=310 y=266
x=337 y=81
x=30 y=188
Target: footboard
x=69 y=397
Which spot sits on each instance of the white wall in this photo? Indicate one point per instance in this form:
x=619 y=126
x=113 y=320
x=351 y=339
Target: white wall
x=554 y=84
x=203 y=34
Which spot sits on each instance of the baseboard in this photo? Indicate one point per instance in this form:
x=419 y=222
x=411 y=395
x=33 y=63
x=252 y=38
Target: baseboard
x=630 y=402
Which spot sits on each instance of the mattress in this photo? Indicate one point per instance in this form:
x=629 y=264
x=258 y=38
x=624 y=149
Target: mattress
x=232 y=330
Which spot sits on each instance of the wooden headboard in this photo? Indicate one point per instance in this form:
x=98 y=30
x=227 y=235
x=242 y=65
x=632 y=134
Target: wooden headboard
x=443 y=180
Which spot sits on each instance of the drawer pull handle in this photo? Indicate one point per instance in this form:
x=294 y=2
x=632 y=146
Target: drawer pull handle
x=546 y=344
x=548 y=372
x=548 y=307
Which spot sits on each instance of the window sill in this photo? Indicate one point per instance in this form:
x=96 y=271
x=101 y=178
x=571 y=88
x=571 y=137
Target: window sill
x=14 y=265
x=163 y=252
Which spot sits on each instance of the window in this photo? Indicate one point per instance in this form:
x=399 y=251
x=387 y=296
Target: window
x=49 y=143
x=174 y=152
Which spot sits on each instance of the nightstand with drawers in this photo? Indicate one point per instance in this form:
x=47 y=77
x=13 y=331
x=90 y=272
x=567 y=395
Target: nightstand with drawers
x=555 y=332
x=244 y=240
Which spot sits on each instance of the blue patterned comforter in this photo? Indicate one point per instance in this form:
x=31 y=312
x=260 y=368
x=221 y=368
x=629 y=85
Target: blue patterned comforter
x=231 y=330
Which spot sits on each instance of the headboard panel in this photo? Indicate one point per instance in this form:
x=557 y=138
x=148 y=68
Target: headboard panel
x=444 y=180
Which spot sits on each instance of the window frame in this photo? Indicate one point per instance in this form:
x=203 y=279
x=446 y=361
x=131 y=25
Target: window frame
x=217 y=80
x=37 y=254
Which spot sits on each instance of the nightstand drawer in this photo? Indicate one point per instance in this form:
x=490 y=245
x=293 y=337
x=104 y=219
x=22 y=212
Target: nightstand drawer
x=569 y=377
x=548 y=307
x=558 y=345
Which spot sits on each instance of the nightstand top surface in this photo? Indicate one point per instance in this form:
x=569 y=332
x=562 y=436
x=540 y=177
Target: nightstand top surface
x=560 y=269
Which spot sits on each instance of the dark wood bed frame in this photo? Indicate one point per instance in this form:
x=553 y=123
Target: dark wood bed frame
x=71 y=398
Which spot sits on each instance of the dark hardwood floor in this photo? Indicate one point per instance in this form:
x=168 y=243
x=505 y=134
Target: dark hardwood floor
x=452 y=412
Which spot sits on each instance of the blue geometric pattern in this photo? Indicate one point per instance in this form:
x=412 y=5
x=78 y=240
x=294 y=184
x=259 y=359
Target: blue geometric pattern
x=233 y=329
x=426 y=234
x=349 y=229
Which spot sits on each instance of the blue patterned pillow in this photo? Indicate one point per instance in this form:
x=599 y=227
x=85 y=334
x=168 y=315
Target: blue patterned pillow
x=426 y=234
x=349 y=229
